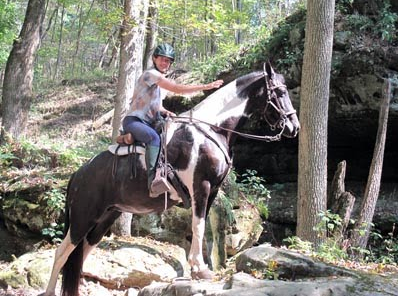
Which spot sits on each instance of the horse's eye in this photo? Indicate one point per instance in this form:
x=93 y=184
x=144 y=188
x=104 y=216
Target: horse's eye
x=280 y=92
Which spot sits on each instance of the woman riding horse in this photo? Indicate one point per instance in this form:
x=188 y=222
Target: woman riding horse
x=199 y=148
x=146 y=109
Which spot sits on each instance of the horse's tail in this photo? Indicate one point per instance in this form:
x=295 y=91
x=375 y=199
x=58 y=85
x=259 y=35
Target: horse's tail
x=72 y=269
x=71 y=272
x=66 y=218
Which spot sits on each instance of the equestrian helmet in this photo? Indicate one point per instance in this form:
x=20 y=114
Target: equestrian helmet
x=165 y=50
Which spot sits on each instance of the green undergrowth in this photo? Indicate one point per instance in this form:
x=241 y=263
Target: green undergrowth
x=381 y=254
x=247 y=188
x=33 y=182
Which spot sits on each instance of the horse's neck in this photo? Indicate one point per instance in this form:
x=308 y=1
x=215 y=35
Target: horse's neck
x=220 y=107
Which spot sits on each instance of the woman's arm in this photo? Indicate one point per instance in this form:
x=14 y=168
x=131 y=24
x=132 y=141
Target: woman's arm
x=184 y=89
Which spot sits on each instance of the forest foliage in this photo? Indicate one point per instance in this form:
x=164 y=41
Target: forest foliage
x=82 y=37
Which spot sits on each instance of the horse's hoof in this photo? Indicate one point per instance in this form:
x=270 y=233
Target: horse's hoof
x=205 y=274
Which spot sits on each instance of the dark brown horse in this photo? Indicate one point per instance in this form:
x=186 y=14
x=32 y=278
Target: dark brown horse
x=198 y=148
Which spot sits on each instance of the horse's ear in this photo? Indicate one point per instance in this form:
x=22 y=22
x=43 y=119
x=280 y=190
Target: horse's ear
x=268 y=68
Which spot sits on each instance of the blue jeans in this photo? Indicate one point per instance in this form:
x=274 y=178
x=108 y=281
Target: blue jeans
x=141 y=131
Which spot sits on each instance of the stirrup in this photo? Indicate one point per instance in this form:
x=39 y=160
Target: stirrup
x=159 y=186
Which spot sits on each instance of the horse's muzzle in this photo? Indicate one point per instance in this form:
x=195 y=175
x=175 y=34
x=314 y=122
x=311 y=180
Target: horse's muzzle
x=292 y=126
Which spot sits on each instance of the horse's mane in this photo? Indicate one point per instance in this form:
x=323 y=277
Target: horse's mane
x=245 y=83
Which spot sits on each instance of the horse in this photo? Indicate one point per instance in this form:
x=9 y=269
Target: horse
x=198 y=146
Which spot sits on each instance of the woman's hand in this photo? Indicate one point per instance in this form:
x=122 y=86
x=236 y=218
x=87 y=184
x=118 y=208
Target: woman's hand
x=167 y=113
x=214 y=84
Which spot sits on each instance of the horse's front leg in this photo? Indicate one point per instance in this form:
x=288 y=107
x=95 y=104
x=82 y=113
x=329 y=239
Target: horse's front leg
x=199 y=270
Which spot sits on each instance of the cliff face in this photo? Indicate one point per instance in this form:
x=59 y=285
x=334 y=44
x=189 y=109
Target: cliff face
x=361 y=58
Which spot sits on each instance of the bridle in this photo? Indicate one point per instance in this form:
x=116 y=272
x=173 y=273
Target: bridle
x=283 y=116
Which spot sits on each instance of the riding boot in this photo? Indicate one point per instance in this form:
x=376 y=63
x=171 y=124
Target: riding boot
x=157 y=184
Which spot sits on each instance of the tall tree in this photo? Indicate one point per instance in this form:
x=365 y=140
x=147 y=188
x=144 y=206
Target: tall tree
x=314 y=100
x=151 y=33
x=238 y=31
x=59 y=52
x=82 y=20
x=18 y=77
x=131 y=51
x=362 y=226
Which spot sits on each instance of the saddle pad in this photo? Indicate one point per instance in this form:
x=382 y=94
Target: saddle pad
x=125 y=149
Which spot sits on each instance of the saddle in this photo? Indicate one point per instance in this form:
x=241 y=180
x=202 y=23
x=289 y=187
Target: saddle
x=126 y=145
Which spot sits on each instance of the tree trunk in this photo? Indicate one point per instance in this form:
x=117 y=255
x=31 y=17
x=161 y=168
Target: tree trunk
x=238 y=32
x=340 y=202
x=215 y=236
x=122 y=225
x=101 y=62
x=312 y=176
x=81 y=25
x=115 y=50
x=337 y=186
x=131 y=50
x=132 y=40
x=18 y=78
x=59 y=43
x=362 y=227
x=151 y=33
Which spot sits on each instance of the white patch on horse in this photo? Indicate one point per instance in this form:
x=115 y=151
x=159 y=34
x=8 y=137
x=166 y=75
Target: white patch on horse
x=195 y=257
x=187 y=175
x=219 y=106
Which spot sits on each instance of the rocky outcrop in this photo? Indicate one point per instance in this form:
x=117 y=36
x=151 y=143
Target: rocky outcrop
x=222 y=238
x=117 y=264
x=285 y=264
x=145 y=267
x=360 y=61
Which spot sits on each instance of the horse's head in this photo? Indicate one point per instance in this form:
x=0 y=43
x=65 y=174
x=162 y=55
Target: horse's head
x=278 y=111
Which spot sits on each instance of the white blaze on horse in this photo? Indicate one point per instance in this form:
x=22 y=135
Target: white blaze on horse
x=198 y=148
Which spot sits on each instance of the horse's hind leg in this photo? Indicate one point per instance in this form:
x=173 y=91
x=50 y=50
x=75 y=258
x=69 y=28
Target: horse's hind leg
x=87 y=248
x=95 y=235
x=101 y=228
x=61 y=255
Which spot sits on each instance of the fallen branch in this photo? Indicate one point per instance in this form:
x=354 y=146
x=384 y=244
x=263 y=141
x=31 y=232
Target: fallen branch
x=103 y=119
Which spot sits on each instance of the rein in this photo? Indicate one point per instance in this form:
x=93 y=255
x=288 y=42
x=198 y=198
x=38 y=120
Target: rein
x=191 y=120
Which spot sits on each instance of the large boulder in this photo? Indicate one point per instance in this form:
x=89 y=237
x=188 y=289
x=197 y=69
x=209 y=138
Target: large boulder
x=259 y=264
x=285 y=264
x=117 y=263
x=135 y=262
x=120 y=265
x=223 y=238
x=243 y=284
